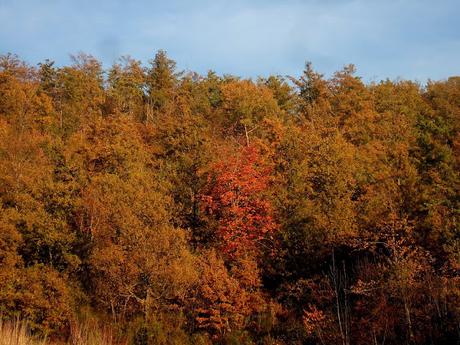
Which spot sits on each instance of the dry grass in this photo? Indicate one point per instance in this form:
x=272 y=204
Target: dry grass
x=17 y=333
x=90 y=333
x=86 y=333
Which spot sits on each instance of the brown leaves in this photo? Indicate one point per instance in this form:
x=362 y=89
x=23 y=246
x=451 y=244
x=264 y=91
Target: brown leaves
x=224 y=301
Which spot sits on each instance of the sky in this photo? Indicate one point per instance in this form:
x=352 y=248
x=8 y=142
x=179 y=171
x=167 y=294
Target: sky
x=396 y=39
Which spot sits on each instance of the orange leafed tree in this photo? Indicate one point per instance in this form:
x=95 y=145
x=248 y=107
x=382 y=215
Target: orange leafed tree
x=235 y=198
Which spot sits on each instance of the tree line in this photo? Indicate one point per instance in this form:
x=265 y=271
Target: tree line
x=193 y=209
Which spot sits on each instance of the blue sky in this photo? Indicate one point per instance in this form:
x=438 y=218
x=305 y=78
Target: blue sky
x=409 y=39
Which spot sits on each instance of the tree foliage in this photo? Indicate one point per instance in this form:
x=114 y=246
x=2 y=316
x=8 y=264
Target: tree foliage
x=195 y=209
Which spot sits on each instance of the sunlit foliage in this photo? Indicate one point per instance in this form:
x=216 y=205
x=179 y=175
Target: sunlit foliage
x=178 y=208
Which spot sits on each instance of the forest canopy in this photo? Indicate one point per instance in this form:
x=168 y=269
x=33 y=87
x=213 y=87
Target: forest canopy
x=181 y=208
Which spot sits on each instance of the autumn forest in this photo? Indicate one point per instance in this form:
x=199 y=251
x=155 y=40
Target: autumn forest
x=169 y=207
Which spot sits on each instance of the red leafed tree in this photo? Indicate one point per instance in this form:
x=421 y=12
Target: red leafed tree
x=235 y=199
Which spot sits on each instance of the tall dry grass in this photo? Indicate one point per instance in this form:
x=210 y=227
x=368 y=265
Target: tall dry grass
x=17 y=333
x=90 y=332
x=85 y=333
